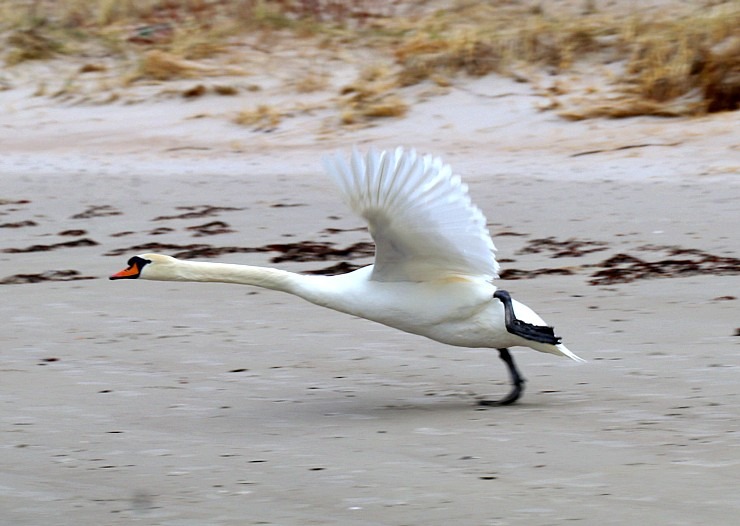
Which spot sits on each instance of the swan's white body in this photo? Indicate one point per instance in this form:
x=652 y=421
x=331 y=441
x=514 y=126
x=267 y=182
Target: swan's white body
x=434 y=261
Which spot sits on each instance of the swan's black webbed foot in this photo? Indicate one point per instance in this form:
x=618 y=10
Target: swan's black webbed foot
x=536 y=333
x=516 y=379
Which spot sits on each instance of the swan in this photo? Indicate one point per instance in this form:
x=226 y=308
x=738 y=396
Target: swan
x=434 y=262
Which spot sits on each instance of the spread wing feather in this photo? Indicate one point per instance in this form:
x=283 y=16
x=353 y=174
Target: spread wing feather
x=419 y=214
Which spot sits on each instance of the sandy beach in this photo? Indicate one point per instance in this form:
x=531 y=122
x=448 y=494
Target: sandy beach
x=206 y=404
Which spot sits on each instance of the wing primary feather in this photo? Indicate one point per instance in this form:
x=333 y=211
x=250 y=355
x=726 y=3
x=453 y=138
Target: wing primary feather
x=419 y=213
x=400 y=162
x=357 y=175
x=400 y=177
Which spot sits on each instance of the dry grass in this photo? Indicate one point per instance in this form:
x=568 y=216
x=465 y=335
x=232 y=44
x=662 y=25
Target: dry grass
x=311 y=82
x=680 y=64
x=224 y=90
x=261 y=118
x=161 y=65
x=30 y=44
x=702 y=56
x=676 y=62
x=371 y=96
x=500 y=38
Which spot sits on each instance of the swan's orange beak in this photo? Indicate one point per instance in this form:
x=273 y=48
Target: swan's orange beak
x=130 y=273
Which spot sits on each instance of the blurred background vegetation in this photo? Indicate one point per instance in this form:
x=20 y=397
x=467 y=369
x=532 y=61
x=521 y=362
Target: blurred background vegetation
x=657 y=58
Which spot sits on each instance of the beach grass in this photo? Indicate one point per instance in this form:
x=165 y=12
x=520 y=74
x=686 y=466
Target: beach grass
x=665 y=62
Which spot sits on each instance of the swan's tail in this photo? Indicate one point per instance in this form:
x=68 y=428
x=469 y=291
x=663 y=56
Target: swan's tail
x=543 y=339
x=558 y=350
x=564 y=351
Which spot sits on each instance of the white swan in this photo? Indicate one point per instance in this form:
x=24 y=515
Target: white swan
x=434 y=262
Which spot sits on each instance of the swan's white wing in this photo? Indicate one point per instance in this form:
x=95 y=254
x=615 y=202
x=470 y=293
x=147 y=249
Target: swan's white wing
x=419 y=214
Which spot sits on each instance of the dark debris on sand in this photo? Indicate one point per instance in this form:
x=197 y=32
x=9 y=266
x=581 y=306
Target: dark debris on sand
x=625 y=268
x=302 y=251
x=49 y=275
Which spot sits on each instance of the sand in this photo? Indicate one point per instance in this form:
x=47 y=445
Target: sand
x=193 y=404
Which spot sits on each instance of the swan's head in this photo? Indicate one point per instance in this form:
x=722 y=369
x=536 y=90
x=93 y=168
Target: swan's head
x=147 y=266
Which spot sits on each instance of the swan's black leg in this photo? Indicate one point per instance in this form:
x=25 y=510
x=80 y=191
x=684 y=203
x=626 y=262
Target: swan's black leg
x=536 y=333
x=516 y=379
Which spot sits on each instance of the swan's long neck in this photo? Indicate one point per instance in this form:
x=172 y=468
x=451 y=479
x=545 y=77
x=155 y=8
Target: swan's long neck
x=264 y=277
